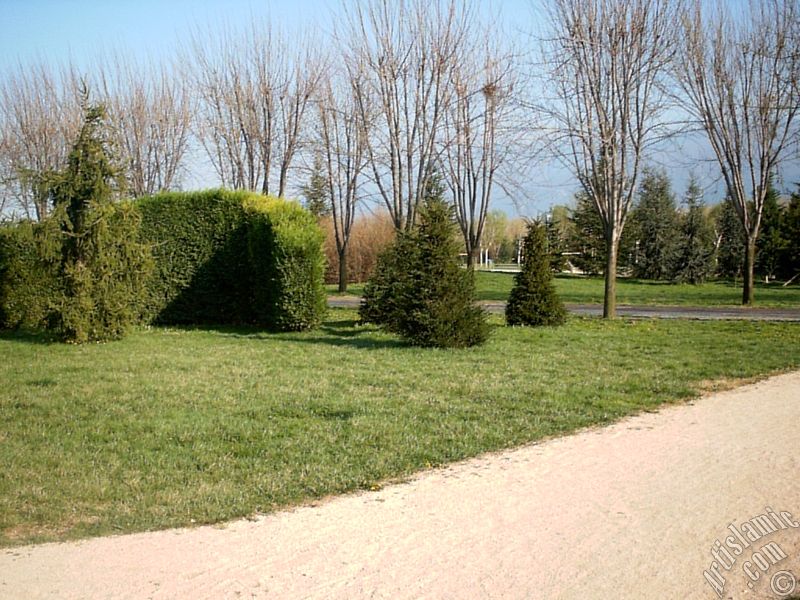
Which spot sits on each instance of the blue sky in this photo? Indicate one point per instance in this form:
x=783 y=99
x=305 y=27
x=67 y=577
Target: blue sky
x=80 y=29
x=83 y=30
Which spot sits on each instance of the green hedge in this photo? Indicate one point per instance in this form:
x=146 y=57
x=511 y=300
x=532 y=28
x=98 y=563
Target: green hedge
x=30 y=286
x=212 y=257
x=226 y=257
x=199 y=245
x=285 y=247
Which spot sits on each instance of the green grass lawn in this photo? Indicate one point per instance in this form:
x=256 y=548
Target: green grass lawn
x=589 y=290
x=172 y=427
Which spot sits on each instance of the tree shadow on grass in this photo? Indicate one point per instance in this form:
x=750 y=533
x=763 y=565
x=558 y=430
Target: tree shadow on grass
x=341 y=333
x=34 y=338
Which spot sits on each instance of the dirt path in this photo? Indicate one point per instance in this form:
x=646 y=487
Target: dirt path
x=627 y=511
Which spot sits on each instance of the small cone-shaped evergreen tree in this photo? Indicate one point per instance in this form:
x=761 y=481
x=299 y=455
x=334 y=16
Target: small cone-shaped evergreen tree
x=533 y=300
x=438 y=297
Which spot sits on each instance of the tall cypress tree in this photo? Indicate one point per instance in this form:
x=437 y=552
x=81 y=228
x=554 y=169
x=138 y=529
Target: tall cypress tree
x=104 y=267
x=657 y=225
x=695 y=251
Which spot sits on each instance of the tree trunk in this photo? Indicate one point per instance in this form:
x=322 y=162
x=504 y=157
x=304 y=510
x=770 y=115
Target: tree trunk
x=748 y=284
x=471 y=258
x=342 y=270
x=610 y=298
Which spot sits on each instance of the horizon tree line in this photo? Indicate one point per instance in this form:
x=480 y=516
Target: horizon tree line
x=407 y=89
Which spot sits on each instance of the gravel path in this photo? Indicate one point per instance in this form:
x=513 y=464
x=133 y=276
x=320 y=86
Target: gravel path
x=627 y=511
x=661 y=312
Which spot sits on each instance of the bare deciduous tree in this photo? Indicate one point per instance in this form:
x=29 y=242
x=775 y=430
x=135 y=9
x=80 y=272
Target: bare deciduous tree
x=404 y=50
x=40 y=115
x=608 y=59
x=254 y=88
x=740 y=75
x=343 y=133
x=478 y=135
x=151 y=113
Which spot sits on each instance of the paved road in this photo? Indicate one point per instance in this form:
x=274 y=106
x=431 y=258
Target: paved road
x=633 y=510
x=660 y=312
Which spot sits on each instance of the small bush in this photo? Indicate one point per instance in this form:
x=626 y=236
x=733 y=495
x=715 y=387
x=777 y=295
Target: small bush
x=533 y=299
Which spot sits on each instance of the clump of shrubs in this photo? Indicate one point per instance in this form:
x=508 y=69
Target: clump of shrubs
x=533 y=300
x=96 y=267
x=81 y=273
x=420 y=290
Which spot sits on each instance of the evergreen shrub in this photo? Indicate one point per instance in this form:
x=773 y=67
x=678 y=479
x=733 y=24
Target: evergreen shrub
x=30 y=284
x=382 y=301
x=533 y=299
x=421 y=291
x=102 y=291
x=437 y=299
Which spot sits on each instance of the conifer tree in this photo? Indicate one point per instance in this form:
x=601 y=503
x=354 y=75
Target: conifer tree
x=694 y=262
x=730 y=252
x=438 y=297
x=533 y=300
x=657 y=227
x=316 y=191
x=790 y=232
x=104 y=267
x=770 y=243
x=589 y=241
x=381 y=303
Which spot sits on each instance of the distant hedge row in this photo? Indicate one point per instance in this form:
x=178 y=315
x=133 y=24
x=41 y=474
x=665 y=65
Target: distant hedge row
x=217 y=257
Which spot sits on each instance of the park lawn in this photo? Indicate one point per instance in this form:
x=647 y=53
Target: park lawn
x=173 y=427
x=589 y=290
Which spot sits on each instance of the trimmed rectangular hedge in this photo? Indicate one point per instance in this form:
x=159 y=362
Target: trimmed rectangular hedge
x=199 y=246
x=29 y=276
x=226 y=257
x=219 y=257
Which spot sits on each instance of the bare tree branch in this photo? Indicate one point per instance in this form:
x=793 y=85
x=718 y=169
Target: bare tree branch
x=343 y=134
x=479 y=133
x=40 y=115
x=404 y=50
x=151 y=113
x=740 y=76
x=608 y=62
x=254 y=87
